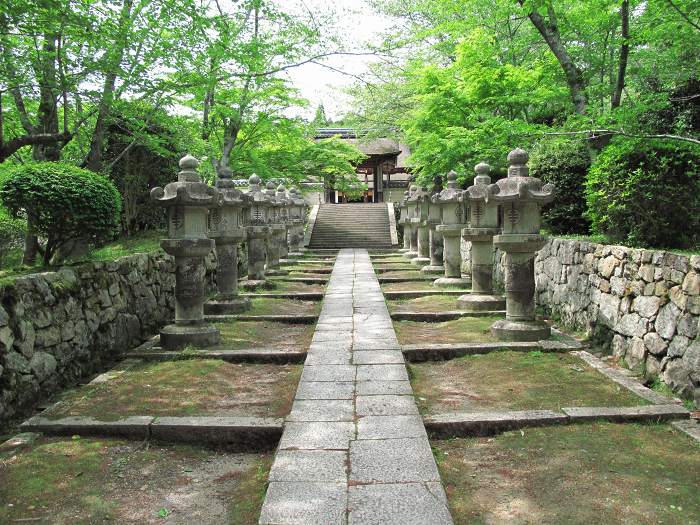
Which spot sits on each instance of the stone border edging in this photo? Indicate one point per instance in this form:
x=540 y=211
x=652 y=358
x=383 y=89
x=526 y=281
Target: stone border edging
x=310 y=225
x=304 y=280
x=468 y=424
x=246 y=433
x=248 y=355
x=441 y=352
x=288 y=319
x=622 y=379
x=392 y=224
x=415 y=294
x=436 y=317
x=417 y=279
x=300 y=296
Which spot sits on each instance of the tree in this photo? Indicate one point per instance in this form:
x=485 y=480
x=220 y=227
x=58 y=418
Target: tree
x=320 y=119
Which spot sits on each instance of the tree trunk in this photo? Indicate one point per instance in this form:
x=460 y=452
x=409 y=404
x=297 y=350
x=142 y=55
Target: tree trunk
x=624 y=55
x=47 y=115
x=31 y=244
x=574 y=77
x=94 y=160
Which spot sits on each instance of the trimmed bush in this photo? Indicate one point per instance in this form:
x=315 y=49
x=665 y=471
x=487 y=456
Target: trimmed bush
x=564 y=164
x=646 y=193
x=12 y=232
x=61 y=203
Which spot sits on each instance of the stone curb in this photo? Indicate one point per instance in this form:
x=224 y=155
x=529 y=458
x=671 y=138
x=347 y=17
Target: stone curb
x=304 y=280
x=435 y=317
x=289 y=319
x=691 y=427
x=490 y=423
x=406 y=267
x=393 y=233
x=622 y=379
x=245 y=433
x=314 y=270
x=310 y=225
x=419 y=279
x=442 y=352
x=301 y=296
x=251 y=355
x=415 y=294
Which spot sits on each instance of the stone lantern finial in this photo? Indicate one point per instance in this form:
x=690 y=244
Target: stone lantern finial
x=517 y=163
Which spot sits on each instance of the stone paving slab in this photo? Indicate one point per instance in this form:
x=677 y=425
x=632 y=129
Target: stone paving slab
x=354 y=447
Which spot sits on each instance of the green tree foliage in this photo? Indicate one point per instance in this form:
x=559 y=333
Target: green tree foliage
x=565 y=164
x=62 y=203
x=646 y=193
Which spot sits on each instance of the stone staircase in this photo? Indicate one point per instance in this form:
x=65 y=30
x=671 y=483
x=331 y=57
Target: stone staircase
x=351 y=226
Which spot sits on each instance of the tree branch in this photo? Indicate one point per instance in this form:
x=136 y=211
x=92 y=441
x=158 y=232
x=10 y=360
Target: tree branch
x=683 y=15
x=15 y=144
x=596 y=133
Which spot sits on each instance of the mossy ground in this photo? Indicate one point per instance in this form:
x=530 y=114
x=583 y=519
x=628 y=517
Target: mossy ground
x=514 y=381
x=408 y=274
x=267 y=306
x=429 y=303
x=285 y=286
x=88 y=481
x=195 y=387
x=388 y=260
x=237 y=335
x=420 y=285
x=575 y=474
x=306 y=275
x=464 y=330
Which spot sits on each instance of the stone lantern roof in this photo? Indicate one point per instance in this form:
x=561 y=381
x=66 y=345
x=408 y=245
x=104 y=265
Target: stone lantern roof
x=189 y=190
x=519 y=186
x=452 y=192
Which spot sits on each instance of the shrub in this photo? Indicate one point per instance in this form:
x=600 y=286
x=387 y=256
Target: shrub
x=646 y=193
x=564 y=164
x=62 y=203
x=11 y=233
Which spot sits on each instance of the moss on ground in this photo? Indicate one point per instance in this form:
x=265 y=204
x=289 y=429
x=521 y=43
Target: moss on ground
x=514 y=381
x=429 y=303
x=288 y=287
x=576 y=474
x=420 y=285
x=464 y=330
x=408 y=274
x=85 y=481
x=267 y=306
x=194 y=387
x=237 y=335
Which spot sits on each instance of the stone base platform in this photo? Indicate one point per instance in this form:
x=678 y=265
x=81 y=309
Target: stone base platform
x=227 y=306
x=452 y=281
x=481 y=303
x=506 y=330
x=176 y=337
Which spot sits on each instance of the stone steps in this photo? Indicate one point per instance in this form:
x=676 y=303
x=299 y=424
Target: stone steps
x=351 y=226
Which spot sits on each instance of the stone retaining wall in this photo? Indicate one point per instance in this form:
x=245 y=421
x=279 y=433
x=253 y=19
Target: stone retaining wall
x=645 y=304
x=57 y=327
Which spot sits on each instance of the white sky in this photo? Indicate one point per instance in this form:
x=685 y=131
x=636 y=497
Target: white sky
x=358 y=24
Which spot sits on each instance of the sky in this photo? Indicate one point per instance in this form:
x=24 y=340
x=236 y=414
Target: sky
x=359 y=24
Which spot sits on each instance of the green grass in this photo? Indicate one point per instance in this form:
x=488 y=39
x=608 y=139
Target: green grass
x=573 y=474
x=463 y=330
x=508 y=380
x=268 y=306
x=186 y=388
x=662 y=388
x=144 y=242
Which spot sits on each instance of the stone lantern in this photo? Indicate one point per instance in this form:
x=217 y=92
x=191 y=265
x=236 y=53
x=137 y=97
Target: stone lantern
x=403 y=209
x=421 y=207
x=451 y=228
x=297 y=211
x=521 y=198
x=188 y=202
x=257 y=231
x=410 y=228
x=227 y=228
x=284 y=199
x=483 y=220
x=435 y=238
x=277 y=229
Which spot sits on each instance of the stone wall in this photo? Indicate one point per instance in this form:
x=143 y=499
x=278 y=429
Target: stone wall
x=645 y=304
x=57 y=327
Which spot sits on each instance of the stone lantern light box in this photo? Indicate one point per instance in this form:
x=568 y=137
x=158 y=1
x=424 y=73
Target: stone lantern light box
x=188 y=202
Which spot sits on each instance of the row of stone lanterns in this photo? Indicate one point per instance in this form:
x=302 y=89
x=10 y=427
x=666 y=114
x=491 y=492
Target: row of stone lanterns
x=201 y=217
x=473 y=215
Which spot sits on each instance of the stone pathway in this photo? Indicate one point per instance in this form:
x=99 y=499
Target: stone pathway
x=354 y=448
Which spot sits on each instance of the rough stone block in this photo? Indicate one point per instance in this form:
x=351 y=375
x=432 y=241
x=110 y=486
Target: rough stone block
x=398 y=504
x=488 y=423
x=325 y=435
x=309 y=466
x=292 y=503
x=628 y=414
x=392 y=461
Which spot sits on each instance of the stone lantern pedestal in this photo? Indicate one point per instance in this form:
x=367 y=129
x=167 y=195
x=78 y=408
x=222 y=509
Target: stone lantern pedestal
x=402 y=222
x=483 y=217
x=521 y=197
x=284 y=199
x=451 y=229
x=421 y=204
x=297 y=215
x=257 y=231
x=277 y=230
x=410 y=229
x=436 y=265
x=227 y=229
x=188 y=202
